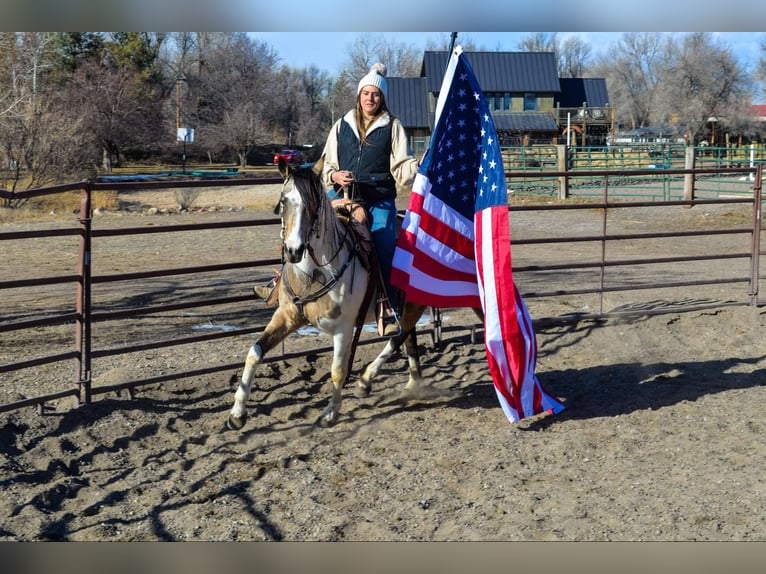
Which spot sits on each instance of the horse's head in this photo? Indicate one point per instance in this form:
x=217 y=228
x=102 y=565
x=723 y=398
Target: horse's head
x=300 y=205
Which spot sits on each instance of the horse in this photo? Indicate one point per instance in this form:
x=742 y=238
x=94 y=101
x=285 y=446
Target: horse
x=324 y=282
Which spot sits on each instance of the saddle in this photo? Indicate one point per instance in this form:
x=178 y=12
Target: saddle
x=354 y=217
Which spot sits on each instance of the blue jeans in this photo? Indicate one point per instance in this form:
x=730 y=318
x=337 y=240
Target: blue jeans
x=382 y=217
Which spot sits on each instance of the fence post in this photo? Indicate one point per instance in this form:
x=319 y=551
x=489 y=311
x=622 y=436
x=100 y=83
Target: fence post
x=562 y=157
x=689 y=177
x=83 y=304
x=756 y=244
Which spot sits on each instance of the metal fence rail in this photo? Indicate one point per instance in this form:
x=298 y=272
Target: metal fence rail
x=567 y=275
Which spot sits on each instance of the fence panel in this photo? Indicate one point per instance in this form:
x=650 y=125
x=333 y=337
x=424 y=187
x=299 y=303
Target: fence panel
x=107 y=295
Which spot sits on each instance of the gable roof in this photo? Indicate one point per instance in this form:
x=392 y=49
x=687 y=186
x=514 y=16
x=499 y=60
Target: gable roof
x=499 y=71
x=575 y=91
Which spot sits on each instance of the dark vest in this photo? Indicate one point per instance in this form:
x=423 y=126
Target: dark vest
x=370 y=163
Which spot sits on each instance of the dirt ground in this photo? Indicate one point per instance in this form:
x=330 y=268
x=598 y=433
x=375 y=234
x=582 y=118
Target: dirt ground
x=662 y=439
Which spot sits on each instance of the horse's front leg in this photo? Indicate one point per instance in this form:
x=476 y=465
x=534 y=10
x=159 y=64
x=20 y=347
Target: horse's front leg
x=282 y=323
x=364 y=382
x=338 y=373
x=410 y=316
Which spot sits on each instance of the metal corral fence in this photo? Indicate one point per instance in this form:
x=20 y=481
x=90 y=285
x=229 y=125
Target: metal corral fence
x=658 y=162
x=617 y=255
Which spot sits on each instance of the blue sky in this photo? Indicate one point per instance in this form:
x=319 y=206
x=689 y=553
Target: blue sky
x=328 y=50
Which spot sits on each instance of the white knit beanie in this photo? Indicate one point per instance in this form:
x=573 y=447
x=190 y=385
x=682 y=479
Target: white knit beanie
x=376 y=77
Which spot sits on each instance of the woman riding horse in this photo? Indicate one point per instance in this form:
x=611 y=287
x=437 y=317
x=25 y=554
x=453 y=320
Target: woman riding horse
x=366 y=155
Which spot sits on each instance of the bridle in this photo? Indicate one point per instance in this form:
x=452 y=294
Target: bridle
x=315 y=206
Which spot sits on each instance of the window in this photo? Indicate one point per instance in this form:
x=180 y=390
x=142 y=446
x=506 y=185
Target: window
x=499 y=101
x=530 y=102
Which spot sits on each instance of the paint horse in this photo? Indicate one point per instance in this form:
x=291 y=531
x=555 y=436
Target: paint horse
x=325 y=283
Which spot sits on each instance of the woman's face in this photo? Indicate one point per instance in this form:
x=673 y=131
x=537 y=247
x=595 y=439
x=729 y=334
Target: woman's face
x=370 y=98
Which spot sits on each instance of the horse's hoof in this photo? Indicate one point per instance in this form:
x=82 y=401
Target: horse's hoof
x=327 y=418
x=361 y=392
x=236 y=423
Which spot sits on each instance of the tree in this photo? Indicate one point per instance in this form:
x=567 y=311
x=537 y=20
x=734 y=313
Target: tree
x=41 y=141
x=314 y=114
x=760 y=69
x=573 y=55
x=633 y=68
x=703 y=85
x=72 y=48
x=117 y=107
x=539 y=42
x=401 y=60
x=233 y=88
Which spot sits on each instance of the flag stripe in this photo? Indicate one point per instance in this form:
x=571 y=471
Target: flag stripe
x=434 y=260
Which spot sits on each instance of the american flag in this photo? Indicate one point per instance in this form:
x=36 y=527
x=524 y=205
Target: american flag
x=455 y=245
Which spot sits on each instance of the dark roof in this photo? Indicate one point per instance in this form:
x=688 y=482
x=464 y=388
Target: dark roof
x=525 y=122
x=575 y=91
x=408 y=101
x=499 y=71
x=518 y=122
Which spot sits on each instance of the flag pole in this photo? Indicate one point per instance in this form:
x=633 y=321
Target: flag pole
x=453 y=37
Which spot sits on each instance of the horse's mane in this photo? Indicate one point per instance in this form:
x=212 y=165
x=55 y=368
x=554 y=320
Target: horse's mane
x=309 y=184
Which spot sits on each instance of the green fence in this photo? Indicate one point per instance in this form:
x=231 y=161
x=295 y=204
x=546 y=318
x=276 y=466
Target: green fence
x=655 y=161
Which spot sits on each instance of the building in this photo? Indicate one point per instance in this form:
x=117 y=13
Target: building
x=530 y=104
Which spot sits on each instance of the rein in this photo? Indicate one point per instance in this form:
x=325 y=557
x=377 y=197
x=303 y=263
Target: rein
x=300 y=300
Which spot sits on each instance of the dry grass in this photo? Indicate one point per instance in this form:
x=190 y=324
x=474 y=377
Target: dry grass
x=61 y=203
x=70 y=201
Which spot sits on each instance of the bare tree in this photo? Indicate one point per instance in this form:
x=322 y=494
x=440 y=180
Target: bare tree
x=633 y=68
x=401 y=60
x=703 y=85
x=313 y=106
x=539 y=42
x=120 y=109
x=42 y=140
x=573 y=55
x=760 y=69
x=232 y=87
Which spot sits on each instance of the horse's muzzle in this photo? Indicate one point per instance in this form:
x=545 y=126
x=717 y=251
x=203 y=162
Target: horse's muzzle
x=294 y=254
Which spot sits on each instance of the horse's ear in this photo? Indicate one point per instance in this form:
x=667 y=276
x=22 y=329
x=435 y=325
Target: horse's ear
x=283 y=167
x=318 y=165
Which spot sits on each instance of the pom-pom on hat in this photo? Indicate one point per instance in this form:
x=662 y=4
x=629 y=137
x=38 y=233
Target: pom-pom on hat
x=376 y=77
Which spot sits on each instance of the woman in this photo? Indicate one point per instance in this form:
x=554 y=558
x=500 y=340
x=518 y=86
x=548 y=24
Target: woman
x=366 y=155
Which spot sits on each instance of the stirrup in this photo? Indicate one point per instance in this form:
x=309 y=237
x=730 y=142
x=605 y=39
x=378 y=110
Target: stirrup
x=388 y=322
